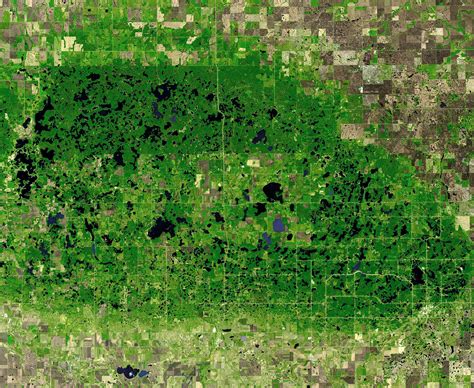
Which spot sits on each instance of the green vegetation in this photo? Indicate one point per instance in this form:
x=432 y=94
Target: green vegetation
x=218 y=193
x=146 y=181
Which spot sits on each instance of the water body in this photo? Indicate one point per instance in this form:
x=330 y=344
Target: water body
x=417 y=276
x=278 y=226
x=161 y=226
x=260 y=208
x=143 y=373
x=128 y=371
x=267 y=238
x=357 y=266
x=218 y=217
x=274 y=192
x=260 y=137
x=53 y=219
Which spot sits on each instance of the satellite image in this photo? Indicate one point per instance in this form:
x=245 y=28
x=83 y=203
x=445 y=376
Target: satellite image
x=250 y=193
